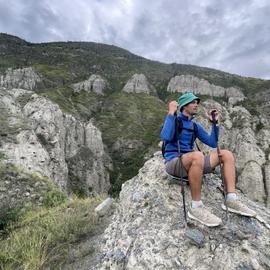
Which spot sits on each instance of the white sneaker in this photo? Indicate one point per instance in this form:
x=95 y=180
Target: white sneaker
x=204 y=216
x=238 y=208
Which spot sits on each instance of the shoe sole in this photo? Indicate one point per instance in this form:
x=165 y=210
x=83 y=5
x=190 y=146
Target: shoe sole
x=207 y=224
x=237 y=212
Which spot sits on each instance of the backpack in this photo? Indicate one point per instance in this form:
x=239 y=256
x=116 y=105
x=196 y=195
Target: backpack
x=180 y=128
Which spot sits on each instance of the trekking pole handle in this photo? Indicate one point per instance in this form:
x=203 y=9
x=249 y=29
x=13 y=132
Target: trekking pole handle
x=215 y=121
x=213 y=114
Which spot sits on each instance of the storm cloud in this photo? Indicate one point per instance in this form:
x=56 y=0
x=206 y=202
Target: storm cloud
x=232 y=36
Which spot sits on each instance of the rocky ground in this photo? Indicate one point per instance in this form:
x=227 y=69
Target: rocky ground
x=148 y=231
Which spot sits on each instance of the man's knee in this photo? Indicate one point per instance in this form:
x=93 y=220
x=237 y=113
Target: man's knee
x=227 y=155
x=197 y=158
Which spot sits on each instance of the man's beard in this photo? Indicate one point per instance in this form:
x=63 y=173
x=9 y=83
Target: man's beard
x=194 y=112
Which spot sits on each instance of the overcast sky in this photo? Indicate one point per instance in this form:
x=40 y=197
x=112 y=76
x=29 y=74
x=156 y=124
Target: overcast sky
x=230 y=35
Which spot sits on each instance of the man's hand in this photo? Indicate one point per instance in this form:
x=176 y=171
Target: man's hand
x=173 y=105
x=215 y=113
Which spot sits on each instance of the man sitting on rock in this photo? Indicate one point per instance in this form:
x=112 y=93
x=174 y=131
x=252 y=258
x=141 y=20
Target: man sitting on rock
x=195 y=164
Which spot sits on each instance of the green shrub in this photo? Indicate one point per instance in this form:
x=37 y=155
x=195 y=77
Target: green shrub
x=54 y=198
x=259 y=126
x=7 y=215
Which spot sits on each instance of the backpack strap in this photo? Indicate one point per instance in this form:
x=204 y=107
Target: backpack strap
x=179 y=124
x=195 y=135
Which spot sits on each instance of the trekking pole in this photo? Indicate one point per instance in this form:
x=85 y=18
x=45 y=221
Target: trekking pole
x=181 y=170
x=214 y=121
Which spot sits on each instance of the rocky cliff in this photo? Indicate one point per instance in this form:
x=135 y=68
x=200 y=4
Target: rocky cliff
x=95 y=84
x=184 y=83
x=147 y=230
x=25 y=78
x=39 y=137
x=138 y=83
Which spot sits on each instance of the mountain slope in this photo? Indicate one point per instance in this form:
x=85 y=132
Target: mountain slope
x=65 y=62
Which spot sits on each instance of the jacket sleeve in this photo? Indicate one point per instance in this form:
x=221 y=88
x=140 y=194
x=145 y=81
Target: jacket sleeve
x=204 y=137
x=168 y=129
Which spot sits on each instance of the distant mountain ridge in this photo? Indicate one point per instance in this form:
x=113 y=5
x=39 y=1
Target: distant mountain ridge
x=79 y=59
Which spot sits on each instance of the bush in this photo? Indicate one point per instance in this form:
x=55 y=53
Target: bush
x=54 y=198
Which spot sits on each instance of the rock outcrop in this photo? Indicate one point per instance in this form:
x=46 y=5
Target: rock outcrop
x=25 y=78
x=186 y=83
x=139 y=84
x=263 y=98
x=147 y=229
x=95 y=84
x=41 y=138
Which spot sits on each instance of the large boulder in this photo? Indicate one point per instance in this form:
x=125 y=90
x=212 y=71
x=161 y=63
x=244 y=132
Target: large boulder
x=147 y=230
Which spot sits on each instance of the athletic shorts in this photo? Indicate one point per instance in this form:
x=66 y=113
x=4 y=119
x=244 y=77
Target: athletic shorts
x=173 y=167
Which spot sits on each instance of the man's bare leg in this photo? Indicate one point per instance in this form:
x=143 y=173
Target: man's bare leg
x=234 y=205
x=227 y=159
x=193 y=163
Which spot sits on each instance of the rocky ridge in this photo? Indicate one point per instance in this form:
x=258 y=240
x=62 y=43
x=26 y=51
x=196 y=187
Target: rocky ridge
x=147 y=230
x=184 y=83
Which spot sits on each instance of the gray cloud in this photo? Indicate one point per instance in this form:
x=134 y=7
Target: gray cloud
x=229 y=35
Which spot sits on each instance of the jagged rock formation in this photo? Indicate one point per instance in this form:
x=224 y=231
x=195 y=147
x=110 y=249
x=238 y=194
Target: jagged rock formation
x=25 y=78
x=41 y=138
x=147 y=230
x=95 y=84
x=139 y=84
x=263 y=98
x=186 y=83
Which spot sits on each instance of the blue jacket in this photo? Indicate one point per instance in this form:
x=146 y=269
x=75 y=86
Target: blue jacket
x=186 y=137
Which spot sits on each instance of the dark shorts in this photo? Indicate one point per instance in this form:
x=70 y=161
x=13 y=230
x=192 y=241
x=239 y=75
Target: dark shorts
x=173 y=167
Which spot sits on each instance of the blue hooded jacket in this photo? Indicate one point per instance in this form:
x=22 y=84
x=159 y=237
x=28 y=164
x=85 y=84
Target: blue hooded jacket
x=186 y=137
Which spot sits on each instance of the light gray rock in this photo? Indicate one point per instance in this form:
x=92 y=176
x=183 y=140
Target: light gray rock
x=185 y=83
x=251 y=181
x=267 y=180
x=147 y=229
x=47 y=122
x=25 y=78
x=46 y=140
x=139 y=84
x=264 y=138
x=28 y=153
x=103 y=208
x=95 y=84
